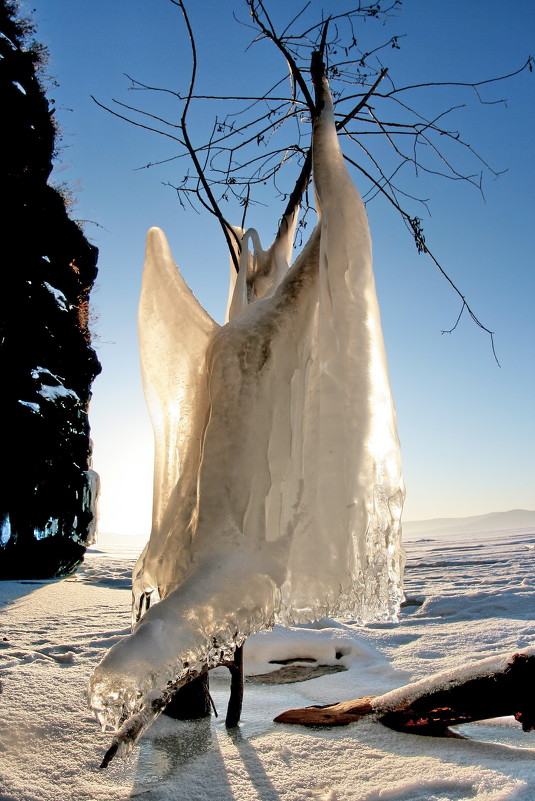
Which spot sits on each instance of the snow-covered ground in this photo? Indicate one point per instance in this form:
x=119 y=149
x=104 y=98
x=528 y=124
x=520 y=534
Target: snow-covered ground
x=469 y=596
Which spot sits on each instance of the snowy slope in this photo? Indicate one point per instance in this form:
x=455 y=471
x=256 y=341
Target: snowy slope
x=469 y=598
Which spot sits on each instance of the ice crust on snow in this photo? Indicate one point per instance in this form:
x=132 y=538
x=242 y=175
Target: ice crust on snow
x=277 y=481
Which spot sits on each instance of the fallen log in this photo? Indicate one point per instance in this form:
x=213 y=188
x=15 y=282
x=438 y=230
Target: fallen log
x=489 y=688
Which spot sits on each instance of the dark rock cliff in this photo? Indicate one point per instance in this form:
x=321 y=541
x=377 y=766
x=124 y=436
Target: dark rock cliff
x=48 y=492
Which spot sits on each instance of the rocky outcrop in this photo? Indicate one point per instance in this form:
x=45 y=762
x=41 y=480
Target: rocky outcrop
x=47 y=495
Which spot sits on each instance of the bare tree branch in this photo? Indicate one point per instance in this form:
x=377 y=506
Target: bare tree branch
x=227 y=229
x=249 y=147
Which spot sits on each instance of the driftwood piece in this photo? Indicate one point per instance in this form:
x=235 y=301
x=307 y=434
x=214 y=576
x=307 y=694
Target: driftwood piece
x=330 y=715
x=192 y=701
x=431 y=706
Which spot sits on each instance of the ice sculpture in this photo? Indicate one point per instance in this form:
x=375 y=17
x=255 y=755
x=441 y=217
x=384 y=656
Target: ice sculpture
x=278 y=487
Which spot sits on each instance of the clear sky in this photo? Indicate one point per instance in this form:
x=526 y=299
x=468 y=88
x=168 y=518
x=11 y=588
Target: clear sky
x=466 y=425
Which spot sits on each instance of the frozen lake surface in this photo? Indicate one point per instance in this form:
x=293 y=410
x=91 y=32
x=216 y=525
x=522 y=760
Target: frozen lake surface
x=469 y=596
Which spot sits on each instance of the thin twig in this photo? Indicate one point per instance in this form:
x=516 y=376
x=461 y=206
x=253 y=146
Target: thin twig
x=415 y=225
x=227 y=229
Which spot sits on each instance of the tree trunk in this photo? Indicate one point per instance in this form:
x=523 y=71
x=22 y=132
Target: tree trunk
x=192 y=701
x=430 y=707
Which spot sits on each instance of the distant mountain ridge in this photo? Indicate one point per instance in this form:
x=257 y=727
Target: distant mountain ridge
x=477 y=524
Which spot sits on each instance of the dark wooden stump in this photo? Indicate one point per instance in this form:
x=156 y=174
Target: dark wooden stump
x=192 y=701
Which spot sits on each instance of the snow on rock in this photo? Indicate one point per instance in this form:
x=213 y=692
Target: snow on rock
x=50 y=528
x=34 y=407
x=5 y=529
x=277 y=482
x=60 y=298
x=51 y=386
x=56 y=393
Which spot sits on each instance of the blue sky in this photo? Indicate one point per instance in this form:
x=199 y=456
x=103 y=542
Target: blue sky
x=466 y=425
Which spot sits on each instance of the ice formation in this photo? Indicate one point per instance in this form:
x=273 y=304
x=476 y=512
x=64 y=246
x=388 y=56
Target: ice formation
x=277 y=482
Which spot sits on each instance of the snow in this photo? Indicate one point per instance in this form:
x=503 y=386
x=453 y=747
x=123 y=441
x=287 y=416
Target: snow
x=50 y=529
x=34 y=407
x=60 y=298
x=55 y=393
x=5 y=529
x=277 y=481
x=471 y=597
x=51 y=387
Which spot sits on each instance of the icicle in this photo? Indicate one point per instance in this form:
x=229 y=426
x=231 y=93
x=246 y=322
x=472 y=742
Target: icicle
x=174 y=336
